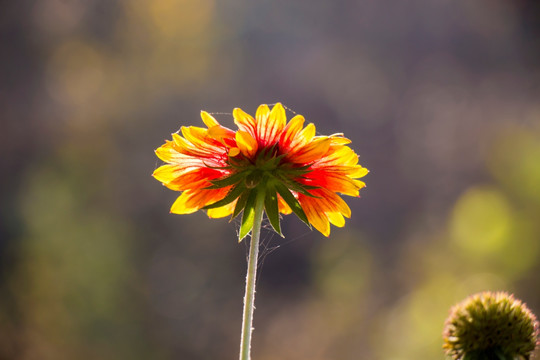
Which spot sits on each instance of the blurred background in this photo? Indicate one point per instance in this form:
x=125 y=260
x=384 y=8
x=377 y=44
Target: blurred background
x=439 y=98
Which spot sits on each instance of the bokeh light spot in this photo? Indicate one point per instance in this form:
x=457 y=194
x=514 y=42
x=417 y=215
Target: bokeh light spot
x=514 y=161
x=342 y=268
x=481 y=221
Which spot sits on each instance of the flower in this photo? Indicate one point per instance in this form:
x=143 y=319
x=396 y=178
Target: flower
x=490 y=326
x=221 y=170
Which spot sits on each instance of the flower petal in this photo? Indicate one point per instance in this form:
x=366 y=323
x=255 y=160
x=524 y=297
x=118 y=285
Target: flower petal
x=312 y=151
x=262 y=112
x=208 y=119
x=234 y=151
x=180 y=178
x=303 y=138
x=166 y=173
x=283 y=207
x=221 y=211
x=333 y=181
x=220 y=133
x=193 y=200
x=317 y=218
x=245 y=122
x=326 y=207
x=197 y=143
x=291 y=131
x=270 y=124
x=358 y=172
x=246 y=143
x=180 y=206
x=336 y=219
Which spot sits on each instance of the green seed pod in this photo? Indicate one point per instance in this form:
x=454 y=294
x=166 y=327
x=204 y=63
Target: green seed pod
x=488 y=326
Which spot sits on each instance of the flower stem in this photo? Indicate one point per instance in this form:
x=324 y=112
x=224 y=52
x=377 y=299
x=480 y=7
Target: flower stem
x=249 y=298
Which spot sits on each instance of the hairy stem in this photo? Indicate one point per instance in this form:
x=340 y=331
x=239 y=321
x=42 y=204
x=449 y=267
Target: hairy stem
x=249 y=298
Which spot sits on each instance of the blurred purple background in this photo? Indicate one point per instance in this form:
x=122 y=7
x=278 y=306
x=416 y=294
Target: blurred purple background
x=439 y=98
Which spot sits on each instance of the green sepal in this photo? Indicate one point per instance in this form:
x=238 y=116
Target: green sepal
x=241 y=203
x=303 y=168
x=227 y=181
x=297 y=171
x=253 y=179
x=271 y=163
x=264 y=154
x=296 y=186
x=248 y=216
x=272 y=210
x=237 y=163
x=292 y=202
x=301 y=188
x=235 y=192
x=306 y=187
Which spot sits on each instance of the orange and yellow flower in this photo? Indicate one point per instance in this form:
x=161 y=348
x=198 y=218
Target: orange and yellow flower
x=221 y=170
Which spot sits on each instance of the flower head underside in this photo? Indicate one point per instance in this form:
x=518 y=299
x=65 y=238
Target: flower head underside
x=221 y=171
